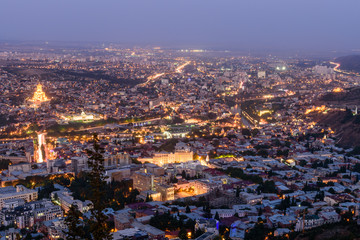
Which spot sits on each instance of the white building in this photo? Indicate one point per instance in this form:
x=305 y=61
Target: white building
x=19 y=191
x=65 y=200
x=261 y=74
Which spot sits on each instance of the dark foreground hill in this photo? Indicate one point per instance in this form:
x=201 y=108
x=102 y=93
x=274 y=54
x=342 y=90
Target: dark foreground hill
x=349 y=63
x=349 y=97
x=345 y=125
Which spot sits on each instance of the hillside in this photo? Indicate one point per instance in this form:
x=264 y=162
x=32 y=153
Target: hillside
x=349 y=97
x=345 y=125
x=349 y=63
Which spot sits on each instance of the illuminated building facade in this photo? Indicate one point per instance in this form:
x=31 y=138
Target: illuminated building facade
x=39 y=96
x=164 y=158
x=143 y=181
x=167 y=192
x=83 y=117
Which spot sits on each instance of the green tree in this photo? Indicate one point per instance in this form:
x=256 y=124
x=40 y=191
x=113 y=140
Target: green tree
x=99 y=228
x=356 y=167
x=332 y=191
x=207 y=211
x=246 y=132
x=259 y=232
x=56 y=197
x=75 y=228
x=237 y=192
x=42 y=147
x=183 y=174
x=148 y=198
x=46 y=190
x=198 y=232
x=183 y=234
x=267 y=187
x=4 y=164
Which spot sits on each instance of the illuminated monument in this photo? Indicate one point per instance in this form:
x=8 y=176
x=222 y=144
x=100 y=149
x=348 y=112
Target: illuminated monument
x=39 y=96
x=42 y=150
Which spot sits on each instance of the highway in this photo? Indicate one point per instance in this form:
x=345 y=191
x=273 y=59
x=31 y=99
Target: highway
x=15 y=139
x=119 y=124
x=181 y=67
x=336 y=69
x=151 y=78
x=156 y=76
x=246 y=118
x=84 y=129
x=337 y=65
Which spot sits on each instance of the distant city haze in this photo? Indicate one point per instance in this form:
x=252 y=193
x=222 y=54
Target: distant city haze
x=228 y=24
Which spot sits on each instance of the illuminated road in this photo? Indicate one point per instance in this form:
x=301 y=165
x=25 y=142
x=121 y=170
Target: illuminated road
x=151 y=78
x=84 y=129
x=180 y=68
x=337 y=65
x=336 y=69
x=156 y=76
x=119 y=124
x=15 y=139
x=247 y=119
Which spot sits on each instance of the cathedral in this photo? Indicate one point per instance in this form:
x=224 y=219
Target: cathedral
x=39 y=97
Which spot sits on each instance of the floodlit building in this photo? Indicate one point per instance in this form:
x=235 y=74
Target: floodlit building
x=143 y=181
x=167 y=192
x=39 y=97
x=83 y=117
x=163 y=158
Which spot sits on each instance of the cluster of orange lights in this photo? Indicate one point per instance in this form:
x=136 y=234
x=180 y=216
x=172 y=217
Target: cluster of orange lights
x=338 y=89
x=39 y=95
x=316 y=109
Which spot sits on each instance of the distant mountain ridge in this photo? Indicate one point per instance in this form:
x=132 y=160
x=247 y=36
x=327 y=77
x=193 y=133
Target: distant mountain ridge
x=349 y=63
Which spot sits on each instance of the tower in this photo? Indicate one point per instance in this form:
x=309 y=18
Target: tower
x=42 y=148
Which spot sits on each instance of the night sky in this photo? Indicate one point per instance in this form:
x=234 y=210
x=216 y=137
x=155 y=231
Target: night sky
x=228 y=24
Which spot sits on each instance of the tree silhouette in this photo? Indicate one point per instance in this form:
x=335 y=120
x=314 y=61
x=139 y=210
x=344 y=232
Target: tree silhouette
x=99 y=228
x=217 y=216
x=75 y=228
x=237 y=192
x=183 y=233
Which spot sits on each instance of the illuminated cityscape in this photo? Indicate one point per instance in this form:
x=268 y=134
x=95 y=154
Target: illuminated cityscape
x=179 y=121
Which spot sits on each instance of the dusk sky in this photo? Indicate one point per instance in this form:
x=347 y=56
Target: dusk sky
x=239 y=24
